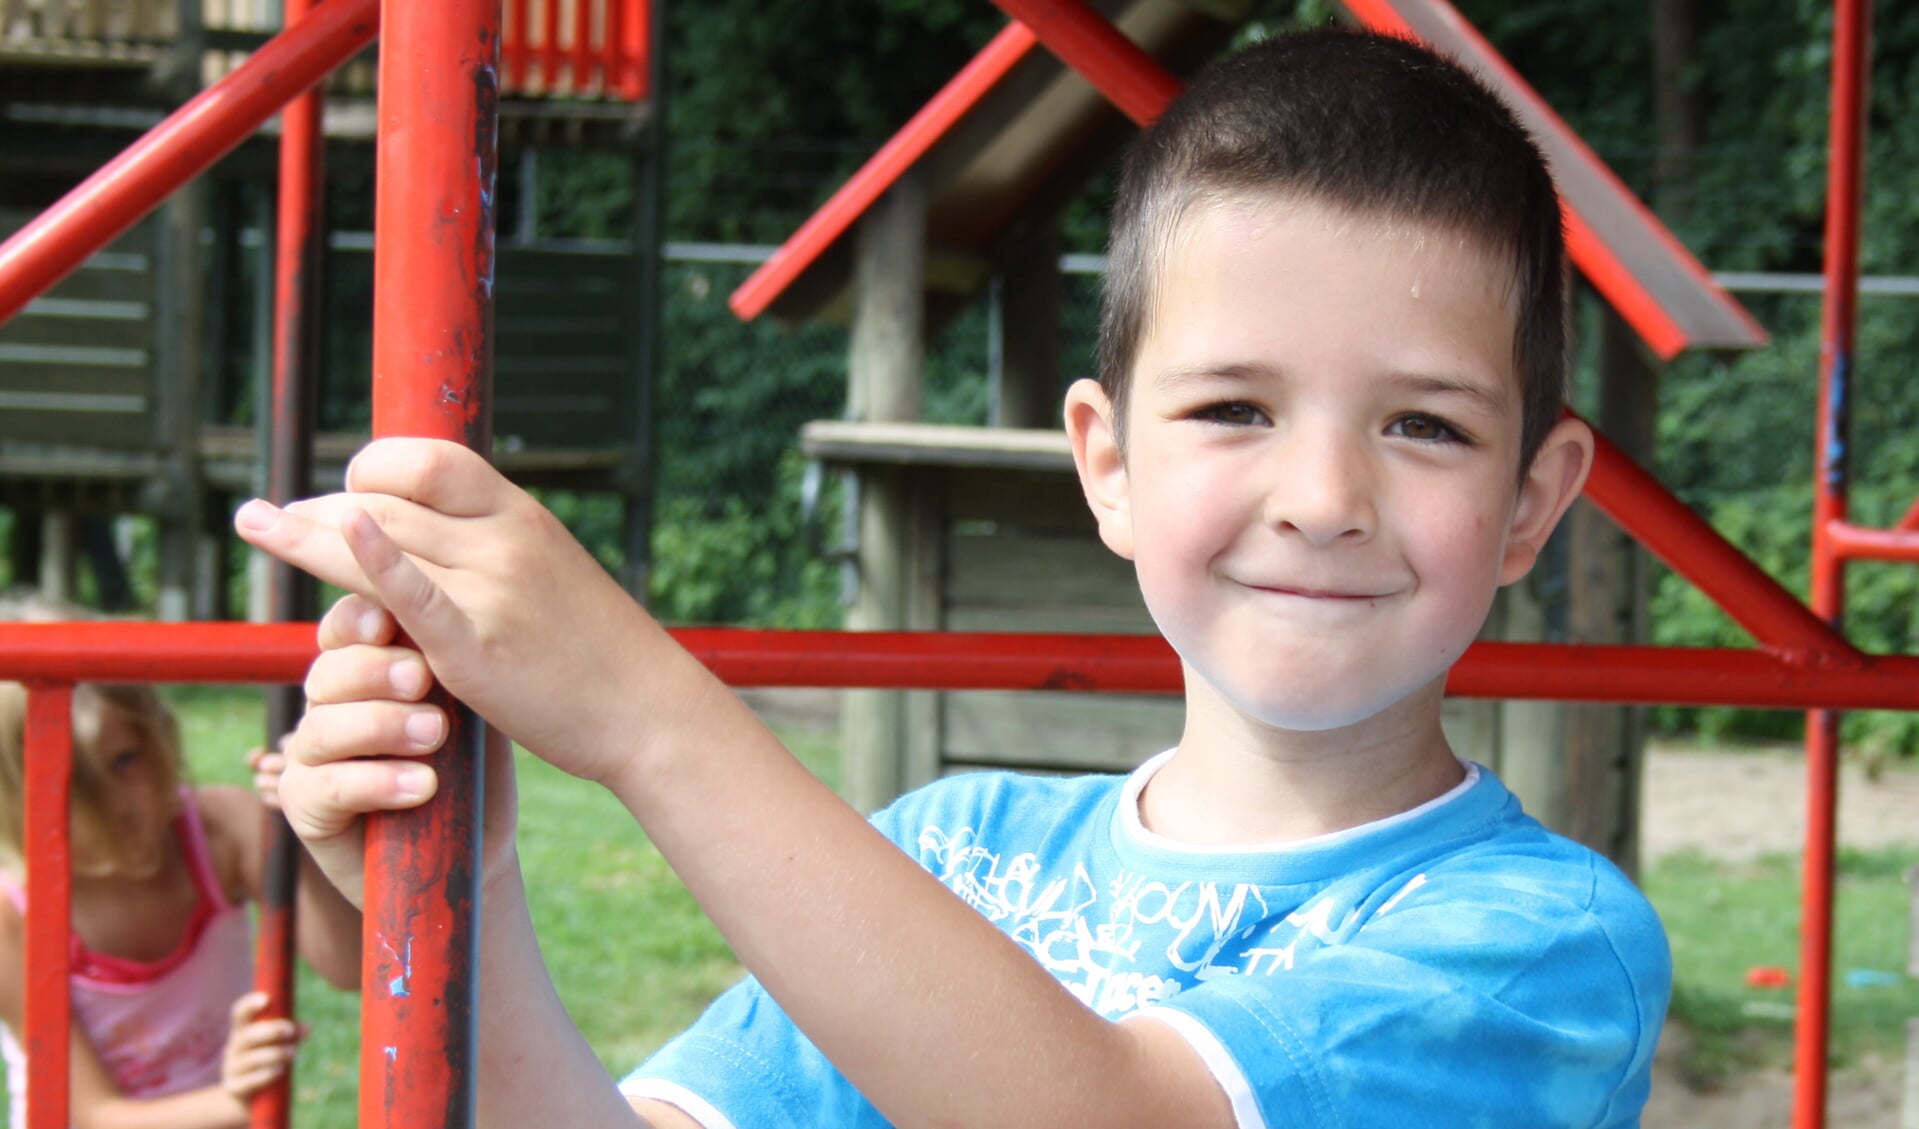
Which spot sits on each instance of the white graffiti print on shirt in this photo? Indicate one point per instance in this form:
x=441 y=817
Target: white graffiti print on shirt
x=1137 y=941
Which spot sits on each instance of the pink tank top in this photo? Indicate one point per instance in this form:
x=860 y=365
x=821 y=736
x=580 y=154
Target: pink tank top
x=159 y=1026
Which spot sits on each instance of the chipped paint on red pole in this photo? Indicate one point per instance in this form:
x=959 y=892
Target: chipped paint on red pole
x=49 y=775
x=300 y=232
x=432 y=377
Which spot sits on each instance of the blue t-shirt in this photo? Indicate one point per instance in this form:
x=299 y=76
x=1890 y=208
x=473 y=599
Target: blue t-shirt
x=1453 y=965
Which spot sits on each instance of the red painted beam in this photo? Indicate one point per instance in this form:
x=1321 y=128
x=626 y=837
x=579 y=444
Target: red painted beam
x=49 y=772
x=1850 y=542
x=1086 y=41
x=878 y=174
x=1845 y=191
x=433 y=261
x=293 y=409
x=236 y=652
x=179 y=149
x=1676 y=535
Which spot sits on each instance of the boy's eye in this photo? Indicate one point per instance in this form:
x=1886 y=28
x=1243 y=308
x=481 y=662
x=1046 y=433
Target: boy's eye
x=125 y=761
x=1232 y=411
x=1427 y=429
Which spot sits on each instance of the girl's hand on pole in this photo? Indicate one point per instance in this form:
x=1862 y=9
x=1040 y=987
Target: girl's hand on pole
x=514 y=617
x=259 y=1051
x=267 y=765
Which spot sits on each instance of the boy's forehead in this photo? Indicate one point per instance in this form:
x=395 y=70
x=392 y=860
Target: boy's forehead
x=1216 y=235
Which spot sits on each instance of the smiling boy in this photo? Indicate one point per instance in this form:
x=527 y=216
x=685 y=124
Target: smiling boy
x=1327 y=430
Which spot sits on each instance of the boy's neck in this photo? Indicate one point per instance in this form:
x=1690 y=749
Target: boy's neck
x=1235 y=782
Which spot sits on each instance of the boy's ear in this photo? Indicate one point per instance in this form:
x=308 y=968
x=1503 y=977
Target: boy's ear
x=1094 y=434
x=1554 y=480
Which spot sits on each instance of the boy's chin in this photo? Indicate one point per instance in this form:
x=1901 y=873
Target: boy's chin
x=1321 y=709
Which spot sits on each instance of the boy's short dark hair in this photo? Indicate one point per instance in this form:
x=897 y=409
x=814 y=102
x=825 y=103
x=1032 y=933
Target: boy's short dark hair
x=1357 y=121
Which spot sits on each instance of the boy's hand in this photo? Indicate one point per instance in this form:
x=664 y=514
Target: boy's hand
x=354 y=750
x=259 y=1051
x=514 y=617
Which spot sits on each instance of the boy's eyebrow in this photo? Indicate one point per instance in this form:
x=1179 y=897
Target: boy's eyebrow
x=1489 y=399
x=1173 y=378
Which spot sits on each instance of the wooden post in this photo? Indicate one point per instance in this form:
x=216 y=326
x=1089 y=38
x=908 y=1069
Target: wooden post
x=884 y=380
x=177 y=385
x=1597 y=801
x=1027 y=386
x=56 y=556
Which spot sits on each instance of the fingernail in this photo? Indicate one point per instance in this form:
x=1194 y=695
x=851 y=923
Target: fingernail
x=413 y=782
x=423 y=729
x=257 y=515
x=408 y=677
x=368 y=625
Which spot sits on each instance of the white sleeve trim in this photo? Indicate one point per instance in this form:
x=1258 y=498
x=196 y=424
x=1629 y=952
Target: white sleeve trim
x=678 y=1096
x=1218 y=1062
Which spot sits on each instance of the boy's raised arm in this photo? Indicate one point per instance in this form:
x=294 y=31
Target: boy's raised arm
x=935 y=1015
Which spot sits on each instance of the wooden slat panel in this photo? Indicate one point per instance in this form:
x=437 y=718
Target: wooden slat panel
x=541 y=343
x=94 y=285
x=527 y=305
x=102 y=333
x=995 y=571
x=115 y=383
x=1081 y=732
x=1065 y=619
x=1041 y=501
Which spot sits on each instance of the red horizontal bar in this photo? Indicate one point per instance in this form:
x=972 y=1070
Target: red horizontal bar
x=1086 y=41
x=1911 y=520
x=1859 y=543
x=180 y=148
x=238 y=652
x=880 y=173
x=1676 y=535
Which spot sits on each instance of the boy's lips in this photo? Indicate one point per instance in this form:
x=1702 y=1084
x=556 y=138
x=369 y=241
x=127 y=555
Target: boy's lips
x=1310 y=592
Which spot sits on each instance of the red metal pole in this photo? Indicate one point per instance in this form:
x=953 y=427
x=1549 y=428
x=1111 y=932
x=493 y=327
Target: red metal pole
x=300 y=247
x=1851 y=542
x=49 y=774
x=179 y=149
x=549 y=45
x=432 y=376
x=1087 y=42
x=582 y=53
x=636 y=47
x=1676 y=535
x=1911 y=520
x=1851 y=69
x=513 y=31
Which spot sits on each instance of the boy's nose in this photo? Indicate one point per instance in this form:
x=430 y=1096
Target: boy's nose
x=1322 y=490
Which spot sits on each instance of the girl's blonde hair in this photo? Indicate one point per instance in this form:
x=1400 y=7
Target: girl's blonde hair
x=139 y=706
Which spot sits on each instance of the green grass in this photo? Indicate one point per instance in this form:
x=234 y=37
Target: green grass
x=1725 y=918
x=635 y=960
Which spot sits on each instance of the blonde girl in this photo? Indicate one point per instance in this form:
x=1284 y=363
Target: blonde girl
x=166 y=1033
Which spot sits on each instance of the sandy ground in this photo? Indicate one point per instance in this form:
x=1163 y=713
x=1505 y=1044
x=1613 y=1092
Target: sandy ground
x=1731 y=806
x=1738 y=806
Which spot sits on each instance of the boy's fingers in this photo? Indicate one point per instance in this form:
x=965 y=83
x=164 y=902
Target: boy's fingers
x=298 y=539
x=361 y=673
x=247 y=1006
x=420 y=605
x=323 y=803
x=336 y=732
x=356 y=619
x=435 y=473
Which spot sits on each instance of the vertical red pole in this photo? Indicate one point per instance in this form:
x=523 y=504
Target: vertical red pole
x=300 y=244
x=432 y=377
x=513 y=45
x=582 y=53
x=49 y=751
x=612 y=39
x=636 y=47
x=1831 y=462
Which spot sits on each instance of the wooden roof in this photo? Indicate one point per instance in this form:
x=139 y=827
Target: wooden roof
x=1015 y=133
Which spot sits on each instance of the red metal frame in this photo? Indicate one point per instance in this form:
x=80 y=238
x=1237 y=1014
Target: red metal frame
x=433 y=260
x=432 y=362
x=49 y=752
x=299 y=253
x=1851 y=70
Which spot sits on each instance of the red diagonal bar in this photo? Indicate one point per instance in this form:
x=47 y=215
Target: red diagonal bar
x=49 y=773
x=179 y=149
x=1676 y=535
x=879 y=173
x=1086 y=41
x=433 y=260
